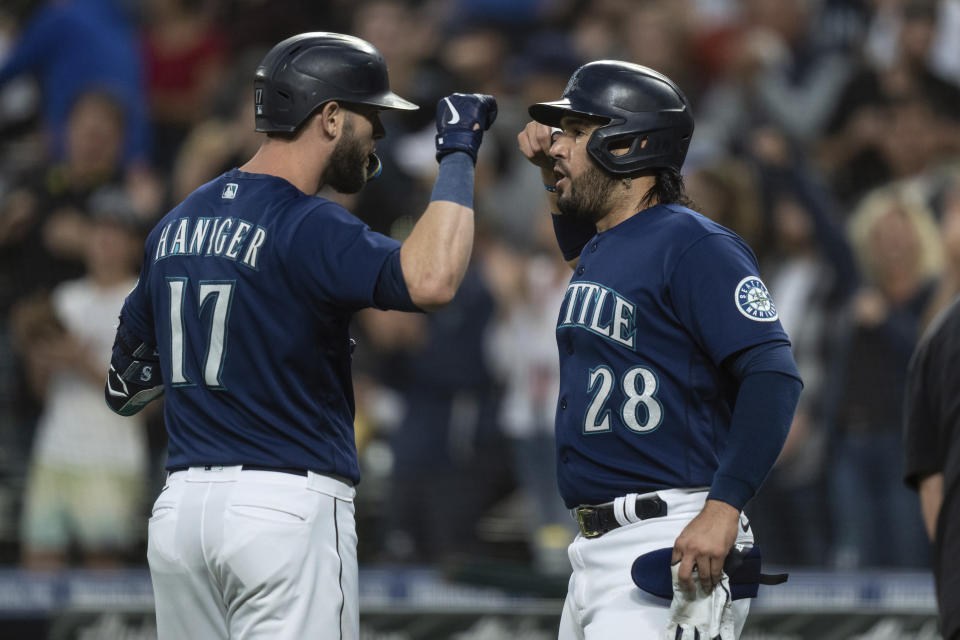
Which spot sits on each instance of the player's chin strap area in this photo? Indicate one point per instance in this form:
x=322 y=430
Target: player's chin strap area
x=374 y=167
x=651 y=572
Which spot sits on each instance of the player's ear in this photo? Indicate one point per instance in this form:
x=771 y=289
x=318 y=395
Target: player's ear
x=330 y=119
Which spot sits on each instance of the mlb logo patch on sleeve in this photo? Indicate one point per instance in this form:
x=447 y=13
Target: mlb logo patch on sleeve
x=229 y=191
x=754 y=301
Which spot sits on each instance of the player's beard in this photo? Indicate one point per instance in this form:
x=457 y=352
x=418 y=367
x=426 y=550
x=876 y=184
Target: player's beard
x=347 y=170
x=587 y=196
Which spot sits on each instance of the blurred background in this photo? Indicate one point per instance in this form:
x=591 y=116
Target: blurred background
x=827 y=135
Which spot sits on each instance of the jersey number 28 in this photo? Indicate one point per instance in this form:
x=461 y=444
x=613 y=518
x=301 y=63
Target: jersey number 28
x=641 y=411
x=221 y=292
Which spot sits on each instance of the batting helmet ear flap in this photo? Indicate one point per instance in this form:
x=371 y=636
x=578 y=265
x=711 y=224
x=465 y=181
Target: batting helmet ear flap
x=649 y=147
x=613 y=151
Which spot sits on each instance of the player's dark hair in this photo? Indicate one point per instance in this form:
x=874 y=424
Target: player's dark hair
x=668 y=188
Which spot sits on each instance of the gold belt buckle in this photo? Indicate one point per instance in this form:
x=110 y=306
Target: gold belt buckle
x=585 y=512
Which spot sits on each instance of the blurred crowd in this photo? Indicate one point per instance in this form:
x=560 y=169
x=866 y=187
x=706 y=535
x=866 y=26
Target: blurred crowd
x=827 y=136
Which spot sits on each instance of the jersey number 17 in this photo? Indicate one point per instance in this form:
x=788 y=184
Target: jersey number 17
x=221 y=292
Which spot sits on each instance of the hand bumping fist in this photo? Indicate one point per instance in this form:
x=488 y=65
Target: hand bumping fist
x=461 y=120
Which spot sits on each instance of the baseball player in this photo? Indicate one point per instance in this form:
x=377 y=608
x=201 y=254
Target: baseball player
x=677 y=382
x=241 y=317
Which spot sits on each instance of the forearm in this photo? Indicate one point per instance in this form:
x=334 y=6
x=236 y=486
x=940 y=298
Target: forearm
x=931 y=499
x=435 y=256
x=770 y=387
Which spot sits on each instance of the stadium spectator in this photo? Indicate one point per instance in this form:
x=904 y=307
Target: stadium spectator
x=810 y=266
x=529 y=288
x=75 y=46
x=184 y=56
x=511 y=201
x=43 y=219
x=223 y=140
x=777 y=73
x=408 y=37
x=877 y=522
x=448 y=461
x=883 y=105
x=656 y=34
x=88 y=468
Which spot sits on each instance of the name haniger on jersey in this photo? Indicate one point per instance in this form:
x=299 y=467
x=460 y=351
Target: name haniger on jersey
x=222 y=237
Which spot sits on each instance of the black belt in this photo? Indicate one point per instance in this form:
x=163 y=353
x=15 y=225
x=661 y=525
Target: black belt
x=596 y=521
x=248 y=467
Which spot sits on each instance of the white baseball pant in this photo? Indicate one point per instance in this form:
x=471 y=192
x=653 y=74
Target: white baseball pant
x=254 y=555
x=602 y=601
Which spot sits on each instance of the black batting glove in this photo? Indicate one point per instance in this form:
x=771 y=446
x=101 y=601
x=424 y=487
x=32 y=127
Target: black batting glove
x=456 y=116
x=134 y=378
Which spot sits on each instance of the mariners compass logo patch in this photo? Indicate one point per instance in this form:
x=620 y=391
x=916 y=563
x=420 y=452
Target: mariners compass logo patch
x=754 y=301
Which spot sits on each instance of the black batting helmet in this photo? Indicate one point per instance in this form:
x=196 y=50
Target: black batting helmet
x=305 y=71
x=638 y=103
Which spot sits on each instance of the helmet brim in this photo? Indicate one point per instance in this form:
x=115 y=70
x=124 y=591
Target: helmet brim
x=390 y=100
x=551 y=113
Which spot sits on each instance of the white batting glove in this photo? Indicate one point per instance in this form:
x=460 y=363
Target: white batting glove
x=702 y=616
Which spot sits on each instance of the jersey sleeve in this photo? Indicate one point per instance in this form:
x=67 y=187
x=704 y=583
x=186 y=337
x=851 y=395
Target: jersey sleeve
x=339 y=258
x=718 y=296
x=920 y=437
x=137 y=311
x=391 y=291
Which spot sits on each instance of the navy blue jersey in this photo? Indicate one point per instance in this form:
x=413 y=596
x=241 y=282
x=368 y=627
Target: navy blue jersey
x=247 y=290
x=655 y=305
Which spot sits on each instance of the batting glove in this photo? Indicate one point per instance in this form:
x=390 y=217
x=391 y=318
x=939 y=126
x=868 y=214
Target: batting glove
x=456 y=116
x=700 y=616
x=134 y=378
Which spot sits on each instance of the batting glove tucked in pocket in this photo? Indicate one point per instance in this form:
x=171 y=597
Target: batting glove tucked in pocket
x=700 y=615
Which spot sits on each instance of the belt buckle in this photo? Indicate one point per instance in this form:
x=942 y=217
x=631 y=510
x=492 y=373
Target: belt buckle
x=591 y=530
